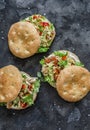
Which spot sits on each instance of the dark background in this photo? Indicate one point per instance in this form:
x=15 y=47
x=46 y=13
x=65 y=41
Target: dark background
x=72 y=22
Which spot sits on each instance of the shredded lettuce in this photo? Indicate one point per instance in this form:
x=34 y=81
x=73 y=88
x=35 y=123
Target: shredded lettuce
x=79 y=64
x=40 y=28
x=62 y=63
x=30 y=18
x=52 y=27
x=46 y=34
x=43 y=17
x=28 y=99
x=47 y=79
x=15 y=102
x=60 y=54
x=43 y=49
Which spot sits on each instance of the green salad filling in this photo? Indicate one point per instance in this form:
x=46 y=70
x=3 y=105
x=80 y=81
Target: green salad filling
x=53 y=64
x=45 y=29
x=27 y=95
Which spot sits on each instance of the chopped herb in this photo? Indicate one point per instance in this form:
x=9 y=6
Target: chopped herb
x=24 y=76
x=42 y=61
x=43 y=49
x=40 y=28
x=15 y=102
x=30 y=18
x=61 y=54
x=47 y=79
x=52 y=27
x=79 y=64
x=36 y=86
x=43 y=18
x=63 y=63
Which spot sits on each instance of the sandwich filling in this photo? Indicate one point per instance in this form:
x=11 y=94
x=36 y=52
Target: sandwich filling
x=53 y=64
x=27 y=95
x=45 y=29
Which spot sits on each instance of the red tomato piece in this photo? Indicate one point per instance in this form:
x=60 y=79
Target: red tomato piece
x=64 y=57
x=47 y=60
x=55 y=62
x=44 y=24
x=35 y=17
x=23 y=105
x=50 y=59
x=23 y=86
x=40 y=33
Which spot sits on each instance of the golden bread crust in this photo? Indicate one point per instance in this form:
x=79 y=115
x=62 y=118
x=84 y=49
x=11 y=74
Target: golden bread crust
x=73 y=83
x=23 y=39
x=10 y=83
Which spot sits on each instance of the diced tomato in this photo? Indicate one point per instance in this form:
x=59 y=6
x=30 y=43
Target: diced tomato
x=40 y=33
x=57 y=71
x=23 y=105
x=35 y=17
x=23 y=86
x=64 y=57
x=47 y=60
x=55 y=62
x=50 y=59
x=30 y=87
x=44 y=24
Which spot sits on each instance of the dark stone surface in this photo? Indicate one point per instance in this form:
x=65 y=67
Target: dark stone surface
x=72 y=21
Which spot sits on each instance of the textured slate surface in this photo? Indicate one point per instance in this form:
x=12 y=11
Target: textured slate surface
x=72 y=21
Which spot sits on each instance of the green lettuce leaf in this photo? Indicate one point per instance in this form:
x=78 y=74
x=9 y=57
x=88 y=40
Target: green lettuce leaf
x=42 y=61
x=62 y=63
x=60 y=54
x=36 y=86
x=79 y=64
x=42 y=49
x=28 y=99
